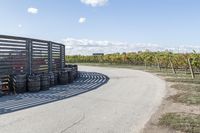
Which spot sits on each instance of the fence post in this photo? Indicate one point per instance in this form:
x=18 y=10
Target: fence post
x=29 y=52
x=191 y=69
x=172 y=66
x=62 y=56
x=50 y=57
x=158 y=63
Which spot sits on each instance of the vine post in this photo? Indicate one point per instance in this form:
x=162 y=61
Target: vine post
x=191 y=69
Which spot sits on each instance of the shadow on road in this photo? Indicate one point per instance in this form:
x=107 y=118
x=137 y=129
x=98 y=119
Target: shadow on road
x=85 y=82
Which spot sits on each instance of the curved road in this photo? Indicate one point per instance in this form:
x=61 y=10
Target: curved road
x=123 y=105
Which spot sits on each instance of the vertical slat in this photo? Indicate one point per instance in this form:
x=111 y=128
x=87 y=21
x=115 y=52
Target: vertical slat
x=40 y=56
x=29 y=61
x=50 y=56
x=64 y=56
x=61 y=57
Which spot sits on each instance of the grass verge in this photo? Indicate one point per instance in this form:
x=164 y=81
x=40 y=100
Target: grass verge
x=184 y=80
x=190 y=98
x=189 y=123
x=178 y=75
x=186 y=87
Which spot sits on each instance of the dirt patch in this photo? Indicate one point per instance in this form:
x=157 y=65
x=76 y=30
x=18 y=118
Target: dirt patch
x=169 y=106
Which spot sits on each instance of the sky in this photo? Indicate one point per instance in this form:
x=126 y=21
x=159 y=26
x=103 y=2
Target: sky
x=88 y=26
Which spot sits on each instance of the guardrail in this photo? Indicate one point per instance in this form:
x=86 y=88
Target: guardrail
x=27 y=55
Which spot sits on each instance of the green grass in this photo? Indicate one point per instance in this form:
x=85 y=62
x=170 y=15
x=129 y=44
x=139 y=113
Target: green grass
x=190 y=98
x=189 y=123
x=178 y=75
x=184 y=80
x=187 y=87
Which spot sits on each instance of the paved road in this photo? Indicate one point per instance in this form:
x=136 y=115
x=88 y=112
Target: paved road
x=123 y=105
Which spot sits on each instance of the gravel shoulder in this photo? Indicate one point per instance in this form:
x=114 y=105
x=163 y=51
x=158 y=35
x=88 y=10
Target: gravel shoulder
x=124 y=104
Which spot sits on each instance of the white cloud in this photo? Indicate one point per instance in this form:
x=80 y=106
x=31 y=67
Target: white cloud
x=32 y=10
x=88 y=47
x=95 y=3
x=19 y=26
x=82 y=20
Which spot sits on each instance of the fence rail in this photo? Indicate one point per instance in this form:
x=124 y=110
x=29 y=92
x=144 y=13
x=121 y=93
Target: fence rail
x=27 y=55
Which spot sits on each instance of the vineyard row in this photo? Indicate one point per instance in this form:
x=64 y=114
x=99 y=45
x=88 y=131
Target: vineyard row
x=189 y=62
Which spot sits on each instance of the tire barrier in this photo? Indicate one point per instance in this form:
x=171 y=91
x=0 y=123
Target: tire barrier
x=19 y=83
x=55 y=78
x=44 y=81
x=70 y=74
x=63 y=77
x=33 y=83
x=74 y=69
x=1 y=93
x=86 y=81
x=52 y=79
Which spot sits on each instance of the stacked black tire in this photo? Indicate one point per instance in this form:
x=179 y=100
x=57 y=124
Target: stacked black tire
x=70 y=73
x=39 y=82
x=63 y=77
x=73 y=71
x=42 y=82
x=19 y=83
x=1 y=93
x=34 y=83
x=52 y=79
x=45 y=82
x=56 y=78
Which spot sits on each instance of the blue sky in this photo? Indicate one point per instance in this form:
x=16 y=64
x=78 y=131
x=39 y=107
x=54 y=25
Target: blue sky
x=164 y=22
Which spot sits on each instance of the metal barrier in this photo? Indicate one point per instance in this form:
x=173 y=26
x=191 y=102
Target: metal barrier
x=26 y=55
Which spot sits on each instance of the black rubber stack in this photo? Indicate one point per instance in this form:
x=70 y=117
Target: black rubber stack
x=33 y=83
x=56 y=78
x=63 y=77
x=44 y=81
x=75 y=67
x=52 y=79
x=1 y=93
x=10 y=83
x=70 y=75
x=19 y=83
x=75 y=71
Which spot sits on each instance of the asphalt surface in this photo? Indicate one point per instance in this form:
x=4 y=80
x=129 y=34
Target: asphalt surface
x=123 y=105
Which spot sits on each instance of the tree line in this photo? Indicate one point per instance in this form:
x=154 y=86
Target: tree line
x=188 y=62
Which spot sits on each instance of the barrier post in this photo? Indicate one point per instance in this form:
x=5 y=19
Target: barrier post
x=29 y=53
x=50 y=57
